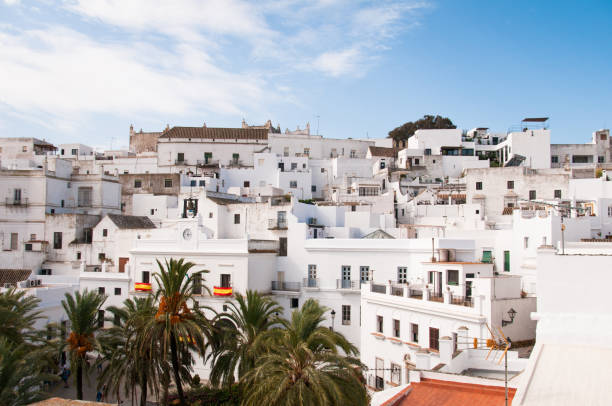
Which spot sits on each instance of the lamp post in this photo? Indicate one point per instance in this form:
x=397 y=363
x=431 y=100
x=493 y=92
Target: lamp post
x=333 y=314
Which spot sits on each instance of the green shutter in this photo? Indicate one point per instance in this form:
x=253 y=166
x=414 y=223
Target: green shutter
x=507 y=261
x=486 y=257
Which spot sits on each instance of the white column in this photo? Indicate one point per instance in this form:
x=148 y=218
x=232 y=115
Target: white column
x=422 y=359
x=463 y=339
x=447 y=296
x=446 y=349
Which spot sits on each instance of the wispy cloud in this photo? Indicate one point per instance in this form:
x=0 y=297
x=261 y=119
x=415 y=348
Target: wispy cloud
x=155 y=57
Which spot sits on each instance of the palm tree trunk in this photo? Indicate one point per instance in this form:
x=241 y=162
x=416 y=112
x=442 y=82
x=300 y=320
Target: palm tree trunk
x=143 y=389
x=175 y=367
x=79 y=378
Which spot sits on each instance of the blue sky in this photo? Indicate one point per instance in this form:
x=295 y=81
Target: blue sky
x=84 y=70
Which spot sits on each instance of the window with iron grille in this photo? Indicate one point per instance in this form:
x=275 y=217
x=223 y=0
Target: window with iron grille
x=557 y=194
x=396 y=328
x=402 y=274
x=364 y=273
x=346 y=315
x=414 y=332
x=452 y=277
x=379 y=324
x=167 y=182
x=478 y=185
x=57 y=240
x=117 y=291
x=84 y=196
x=137 y=183
x=396 y=373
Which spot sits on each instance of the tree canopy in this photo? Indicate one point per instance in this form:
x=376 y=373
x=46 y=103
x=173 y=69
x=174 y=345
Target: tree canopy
x=428 y=121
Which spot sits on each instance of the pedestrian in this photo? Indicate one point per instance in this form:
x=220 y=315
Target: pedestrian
x=65 y=375
x=99 y=396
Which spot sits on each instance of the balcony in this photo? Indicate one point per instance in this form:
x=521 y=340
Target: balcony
x=180 y=162
x=462 y=301
x=277 y=224
x=436 y=297
x=286 y=286
x=16 y=202
x=378 y=288
x=347 y=284
x=207 y=162
x=311 y=283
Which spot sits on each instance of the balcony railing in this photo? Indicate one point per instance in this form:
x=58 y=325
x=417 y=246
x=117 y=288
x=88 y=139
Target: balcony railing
x=397 y=290
x=286 y=286
x=378 y=288
x=415 y=293
x=311 y=282
x=207 y=162
x=276 y=224
x=180 y=162
x=462 y=301
x=16 y=202
x=347 y=284
x=436 y=297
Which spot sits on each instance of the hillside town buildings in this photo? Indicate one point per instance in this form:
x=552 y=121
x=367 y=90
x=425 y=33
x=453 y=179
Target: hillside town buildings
x=416 y=248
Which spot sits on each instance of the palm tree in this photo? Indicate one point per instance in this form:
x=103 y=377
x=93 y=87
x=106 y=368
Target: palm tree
x=18 y=314
x=238 y=329
x=306 y=363
x=23 y=373
x=82 y=310
x=128 y=360
x=176 y=327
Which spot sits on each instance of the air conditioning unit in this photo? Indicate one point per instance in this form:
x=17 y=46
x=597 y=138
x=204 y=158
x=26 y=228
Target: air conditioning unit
x=32 y=283
x=38 y=282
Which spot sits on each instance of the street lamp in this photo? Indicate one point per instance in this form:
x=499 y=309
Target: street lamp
x=333 y=314
x=512 y=315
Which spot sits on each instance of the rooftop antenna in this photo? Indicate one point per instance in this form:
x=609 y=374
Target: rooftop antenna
x=497 y=342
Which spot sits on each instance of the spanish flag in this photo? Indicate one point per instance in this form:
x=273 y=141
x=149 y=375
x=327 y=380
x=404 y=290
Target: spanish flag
x=217 y=291
x=142 y=287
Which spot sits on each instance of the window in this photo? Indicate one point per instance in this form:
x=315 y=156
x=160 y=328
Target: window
x=312 y=271
x=507 y=261
x=14 y=240
x=486 y=256
x=202 y=183
x=414 y=333
x=152 y=212
x=368 y=191
x=526 y=242
x=197 y=283
x=32 y=237
x=532 y=195
x=117 y=319
x=237 y=218
x=246 y=183
x=62 y=203
x=379 y=372
x=379 y=324
x=180 y=157
x=57 y=240
x=192 y=182
x=117 y=291
x=353 y=208
x=286 y=151
x=313 y=188
x=282 y=247
x=346 y=315
x=226 y=280
x=84 y=196
x=78 y=255
x=74 y=151
x=322 y=170
x=145 y=277
x=609 y=211
x=100 y=318
x=427 y=151
x=396 y=328
x=402 y=274
x=137 y=183
x=104 y=232
x=101 y=256
x=167 y=182
x=557 y=194
x=17 y=196
x=396 y=374
x=353 y=153
x=293 y=165
x=207 y=157
x=478 y=185
x=510 y=184
x=24 y=149
x=295 y=303
x=601 y=159
x=293 y=184
x=452 y=277
x=434 y=337
x=101 y=290
x=416 y=162
x=307 y=151
x=28 y=247
x=554 y=159
x=364 y=274
x=235 y=158
x=210 y=215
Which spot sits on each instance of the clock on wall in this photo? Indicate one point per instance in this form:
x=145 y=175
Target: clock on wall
x=187 y=233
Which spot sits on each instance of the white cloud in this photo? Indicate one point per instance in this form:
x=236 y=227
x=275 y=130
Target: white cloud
x=61 y=72
x=338 y=63
x=11 y=2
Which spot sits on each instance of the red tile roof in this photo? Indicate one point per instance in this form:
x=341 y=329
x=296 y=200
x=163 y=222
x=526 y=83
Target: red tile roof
x=382 y=151
x=217 y=133
x=432 y=392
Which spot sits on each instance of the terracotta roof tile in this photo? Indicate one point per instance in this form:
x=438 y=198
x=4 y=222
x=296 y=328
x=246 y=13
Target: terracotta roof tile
x=217 y=133
x=14 y=275
x=431 y=392
x=382 y=151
